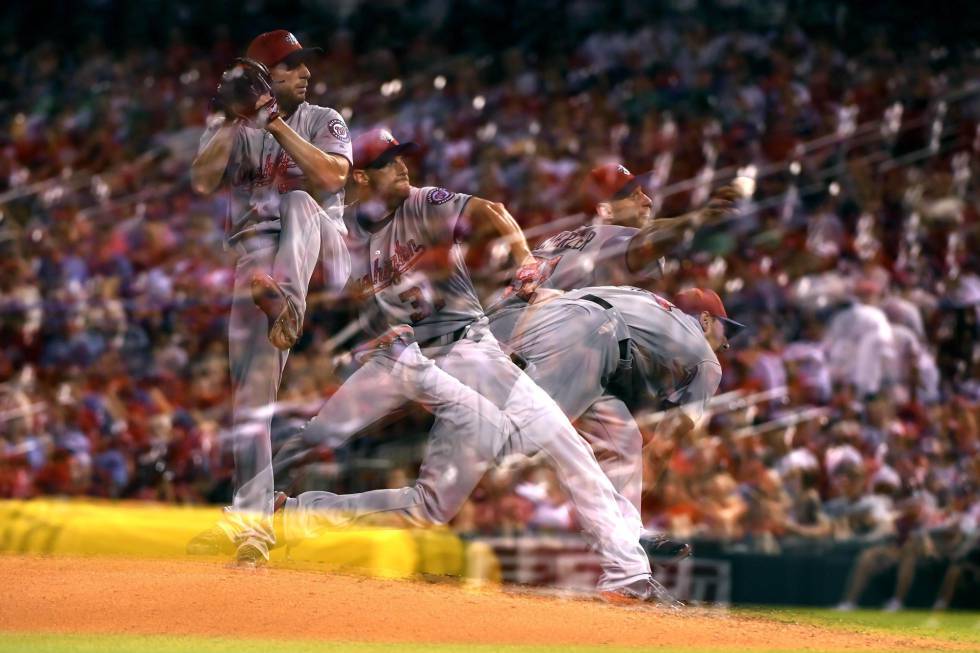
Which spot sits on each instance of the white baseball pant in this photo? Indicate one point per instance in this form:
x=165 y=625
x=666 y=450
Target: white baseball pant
x=306 y=234
x=513 y=416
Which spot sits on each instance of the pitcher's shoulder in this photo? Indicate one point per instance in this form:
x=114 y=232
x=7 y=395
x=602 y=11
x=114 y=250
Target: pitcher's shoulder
x=435 y=195
x=317 y=117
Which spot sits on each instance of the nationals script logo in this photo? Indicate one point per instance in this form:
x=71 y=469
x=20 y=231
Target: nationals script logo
x=339 y=130
x=387 y=271
x=439 y=196
x=275 y=172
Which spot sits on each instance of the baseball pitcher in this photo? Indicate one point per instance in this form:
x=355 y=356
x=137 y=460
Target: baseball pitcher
x=413 y=272
x=623 y=244
x=286 y=163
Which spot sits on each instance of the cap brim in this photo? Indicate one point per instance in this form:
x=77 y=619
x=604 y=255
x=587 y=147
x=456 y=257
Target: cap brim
x=397 y=150
x=732 y=328
x=302 y=55
x=627 y=189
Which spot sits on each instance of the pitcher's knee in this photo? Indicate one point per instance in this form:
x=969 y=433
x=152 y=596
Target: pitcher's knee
x=437 y=510
x=297 y=200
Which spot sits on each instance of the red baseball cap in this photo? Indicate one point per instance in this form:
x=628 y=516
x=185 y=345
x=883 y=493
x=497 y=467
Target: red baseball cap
x=694 y=301
x=276 y=46
x=376 y=148
x=611 y=181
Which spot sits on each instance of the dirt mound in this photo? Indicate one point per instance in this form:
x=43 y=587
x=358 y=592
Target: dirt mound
x=98 y=595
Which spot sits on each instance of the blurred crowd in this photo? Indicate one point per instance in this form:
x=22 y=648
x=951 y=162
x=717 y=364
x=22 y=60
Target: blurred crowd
x=850 y=409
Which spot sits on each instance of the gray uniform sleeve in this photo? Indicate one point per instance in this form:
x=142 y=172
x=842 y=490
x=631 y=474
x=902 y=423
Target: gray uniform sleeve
x=328 y=132
x=693 y=398
x=440 y=210
x=614 y=266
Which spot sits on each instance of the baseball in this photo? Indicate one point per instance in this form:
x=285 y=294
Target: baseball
x=745 y=186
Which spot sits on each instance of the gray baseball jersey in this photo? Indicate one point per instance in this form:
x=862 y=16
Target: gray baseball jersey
x=269 y=196
x=260 y=170
x=672 y=359
x=589 y=256
x=413 y=266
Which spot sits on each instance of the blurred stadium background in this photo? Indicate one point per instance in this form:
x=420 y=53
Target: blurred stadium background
x=841 y=464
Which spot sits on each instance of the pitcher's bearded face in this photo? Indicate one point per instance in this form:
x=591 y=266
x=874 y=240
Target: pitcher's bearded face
x=634 y=210
x=390 y=181
x=290 y=84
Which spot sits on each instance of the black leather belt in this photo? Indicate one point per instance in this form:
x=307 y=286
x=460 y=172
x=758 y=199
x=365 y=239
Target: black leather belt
x=597 y=300
x=624 y=345
x=452 y=337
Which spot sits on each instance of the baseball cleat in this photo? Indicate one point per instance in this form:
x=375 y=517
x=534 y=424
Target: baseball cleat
x=645 y=590
x=211 y=542
x=285 y=322
x=660 y=546
x=251 y=554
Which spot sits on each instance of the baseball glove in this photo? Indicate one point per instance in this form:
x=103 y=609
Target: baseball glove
x=245 y=93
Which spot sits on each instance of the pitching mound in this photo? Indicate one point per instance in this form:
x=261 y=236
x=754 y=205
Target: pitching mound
x=178 y=598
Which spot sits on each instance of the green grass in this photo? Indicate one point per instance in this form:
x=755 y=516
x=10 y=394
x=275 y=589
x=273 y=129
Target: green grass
x=19 y=643
x=963 y=627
